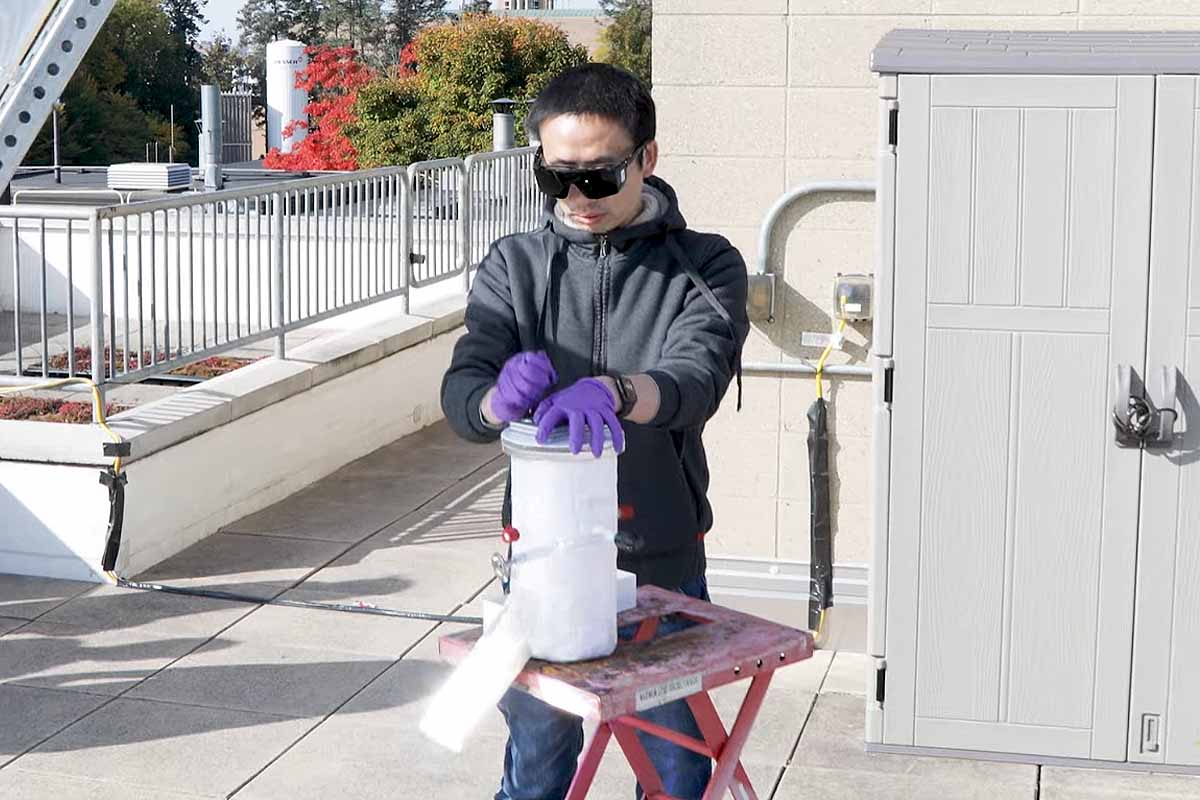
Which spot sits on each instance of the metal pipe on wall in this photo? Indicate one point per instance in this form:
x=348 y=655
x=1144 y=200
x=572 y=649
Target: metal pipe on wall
x=782 y=204
x=781 y=368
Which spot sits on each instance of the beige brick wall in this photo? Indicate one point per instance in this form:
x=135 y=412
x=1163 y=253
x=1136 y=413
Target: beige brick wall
x=756 y=97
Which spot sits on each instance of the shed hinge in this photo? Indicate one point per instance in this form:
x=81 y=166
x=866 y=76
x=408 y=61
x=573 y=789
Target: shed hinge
x=887 y=384
x=880 y=680
x=893 y=125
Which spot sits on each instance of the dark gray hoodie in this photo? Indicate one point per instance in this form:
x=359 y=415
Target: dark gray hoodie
x=621 y=303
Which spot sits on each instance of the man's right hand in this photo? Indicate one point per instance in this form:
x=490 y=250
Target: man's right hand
x=524 y=381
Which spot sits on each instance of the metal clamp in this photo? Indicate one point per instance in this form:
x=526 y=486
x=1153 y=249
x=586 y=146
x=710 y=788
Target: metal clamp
x=1138 y=420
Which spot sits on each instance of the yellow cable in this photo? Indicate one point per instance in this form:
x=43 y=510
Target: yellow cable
x=841 y=328
x=97 y=406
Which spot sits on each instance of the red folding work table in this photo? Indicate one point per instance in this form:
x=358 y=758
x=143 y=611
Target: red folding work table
x=726 y=646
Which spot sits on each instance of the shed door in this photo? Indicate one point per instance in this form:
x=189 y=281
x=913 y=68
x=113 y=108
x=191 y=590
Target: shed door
x=1164 y=723
x=1022 y=237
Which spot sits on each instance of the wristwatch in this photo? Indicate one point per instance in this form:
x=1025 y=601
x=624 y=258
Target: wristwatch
x=627 y=393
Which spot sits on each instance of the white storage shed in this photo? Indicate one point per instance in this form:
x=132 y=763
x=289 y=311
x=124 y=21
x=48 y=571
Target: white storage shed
x=1036 y=573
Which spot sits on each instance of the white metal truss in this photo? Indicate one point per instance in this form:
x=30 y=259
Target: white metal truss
x=50 y=40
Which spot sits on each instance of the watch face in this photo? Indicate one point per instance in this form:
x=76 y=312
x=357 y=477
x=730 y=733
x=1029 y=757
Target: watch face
x=628 y=393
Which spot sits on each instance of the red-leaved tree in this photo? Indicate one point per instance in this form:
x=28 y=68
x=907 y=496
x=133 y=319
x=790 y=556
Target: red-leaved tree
x=332 y=78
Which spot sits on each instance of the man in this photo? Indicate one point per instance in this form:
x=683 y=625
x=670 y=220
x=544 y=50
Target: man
x=611 y=315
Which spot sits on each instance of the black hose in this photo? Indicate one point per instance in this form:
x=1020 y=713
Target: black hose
x=278 y=601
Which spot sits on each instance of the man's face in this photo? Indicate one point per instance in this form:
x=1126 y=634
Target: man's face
x=571 y=141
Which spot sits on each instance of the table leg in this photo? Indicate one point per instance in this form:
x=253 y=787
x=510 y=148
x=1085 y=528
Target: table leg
x=586 y=772
x=729 y=766
x=713 y=731
x=639 y=759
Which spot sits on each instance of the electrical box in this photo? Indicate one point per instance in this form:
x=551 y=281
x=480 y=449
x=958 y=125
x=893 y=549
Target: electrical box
x=1036 y=575
x=852 y=297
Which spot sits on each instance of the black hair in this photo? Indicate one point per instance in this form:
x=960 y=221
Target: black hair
x=601 y=90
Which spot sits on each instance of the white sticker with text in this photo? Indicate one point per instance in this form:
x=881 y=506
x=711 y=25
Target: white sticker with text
x=663 y=693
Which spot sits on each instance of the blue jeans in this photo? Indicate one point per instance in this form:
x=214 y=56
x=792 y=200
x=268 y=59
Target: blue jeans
x=544 y=743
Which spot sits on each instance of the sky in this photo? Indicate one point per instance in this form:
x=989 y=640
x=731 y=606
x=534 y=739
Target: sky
x=222 y=14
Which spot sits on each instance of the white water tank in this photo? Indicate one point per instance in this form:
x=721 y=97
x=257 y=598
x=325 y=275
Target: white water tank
x=564 y=565
x=285 y=102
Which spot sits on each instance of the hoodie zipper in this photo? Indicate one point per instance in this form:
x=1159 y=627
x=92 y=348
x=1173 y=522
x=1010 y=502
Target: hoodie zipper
x=600 y=292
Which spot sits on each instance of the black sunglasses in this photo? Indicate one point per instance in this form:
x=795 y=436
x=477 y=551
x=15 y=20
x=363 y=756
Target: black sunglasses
x=594 y=183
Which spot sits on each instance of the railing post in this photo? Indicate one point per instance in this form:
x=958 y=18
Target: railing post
x=464 y=228
x=510 y=167
x=277 y=272
x=406 y=231
x=97 y=312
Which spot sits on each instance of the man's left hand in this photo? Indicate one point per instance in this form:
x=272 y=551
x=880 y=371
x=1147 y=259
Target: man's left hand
x=588 y=401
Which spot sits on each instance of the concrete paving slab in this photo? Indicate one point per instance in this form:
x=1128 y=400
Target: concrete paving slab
x=105 y=662
x=27 y=597
x=804 y=783
x=410 y=578
x=833 y=739
x=341 y=510
x=615 y=781
x=463 y=519
x=434 y=451
x=168 y=747
x=848 y=674
x=10 y=624
x=415 y=769
x=399 y=696
x=330 y=631
x=17 y=784
x=31 y=715
x=1062 y=783
x=371 y=748
x=260 y=566
x=115 y=608
x=272 y=679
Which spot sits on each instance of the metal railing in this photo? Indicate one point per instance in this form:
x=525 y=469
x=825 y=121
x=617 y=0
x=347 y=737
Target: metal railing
x=503 y=197
x=184 y=277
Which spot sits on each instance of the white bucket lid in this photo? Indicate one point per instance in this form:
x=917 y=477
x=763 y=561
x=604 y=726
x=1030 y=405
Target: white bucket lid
x=521 y=438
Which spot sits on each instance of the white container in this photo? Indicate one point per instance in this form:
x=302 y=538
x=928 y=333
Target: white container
x=285 y=102
x=564 y=567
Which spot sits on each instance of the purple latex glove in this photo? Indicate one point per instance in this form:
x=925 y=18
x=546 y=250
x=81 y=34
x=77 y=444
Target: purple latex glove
x=524 y=380
x=585 y=401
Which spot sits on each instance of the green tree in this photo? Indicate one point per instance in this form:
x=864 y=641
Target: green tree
x=161 y=71
x=222 y=64
x=438 y=104
x=185 y=18
x=95 y=127
x=354 y=23
x=625 y=42
x=404 y=19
